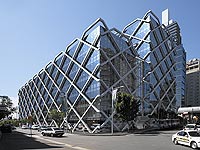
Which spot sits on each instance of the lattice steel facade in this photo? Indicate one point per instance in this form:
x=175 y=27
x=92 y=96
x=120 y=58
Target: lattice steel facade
x=157 y=52
x=141 y=58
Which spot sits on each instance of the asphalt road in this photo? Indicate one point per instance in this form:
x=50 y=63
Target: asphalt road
x=157 y=140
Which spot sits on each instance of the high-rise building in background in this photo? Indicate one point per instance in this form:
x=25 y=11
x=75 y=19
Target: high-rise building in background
x=174 y=29
x=79 y=81
x=193 y=83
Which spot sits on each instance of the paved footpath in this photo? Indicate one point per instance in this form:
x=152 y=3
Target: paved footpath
x=20 y=141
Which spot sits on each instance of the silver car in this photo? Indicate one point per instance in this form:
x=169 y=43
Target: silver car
x=52 y=131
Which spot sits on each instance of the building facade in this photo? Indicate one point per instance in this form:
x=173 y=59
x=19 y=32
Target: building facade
x=193 y=83
x=79 y=81
x=174 y=29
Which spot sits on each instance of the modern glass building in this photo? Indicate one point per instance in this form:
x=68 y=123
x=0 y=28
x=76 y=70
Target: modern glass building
x=181 y=76
x=79 y=81
x=157 y=52
x=174 y=29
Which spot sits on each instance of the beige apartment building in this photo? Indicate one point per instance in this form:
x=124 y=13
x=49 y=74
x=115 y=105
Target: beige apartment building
x=193 y=83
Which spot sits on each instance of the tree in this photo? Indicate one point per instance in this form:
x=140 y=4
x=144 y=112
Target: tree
x=5 y=100
x=7 y=106
x=24 y=121
x=57 y=116
x=34 y=119
x=14 y=122
x=127 y=107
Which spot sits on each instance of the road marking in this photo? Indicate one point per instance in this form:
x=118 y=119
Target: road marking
x=67 y=145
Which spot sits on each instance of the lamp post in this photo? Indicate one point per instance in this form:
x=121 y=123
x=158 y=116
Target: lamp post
x=114 y=96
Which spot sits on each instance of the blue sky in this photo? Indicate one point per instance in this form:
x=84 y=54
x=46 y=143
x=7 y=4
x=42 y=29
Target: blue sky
x=32 y=32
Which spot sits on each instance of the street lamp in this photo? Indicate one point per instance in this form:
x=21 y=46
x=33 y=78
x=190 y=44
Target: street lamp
x=114 y=96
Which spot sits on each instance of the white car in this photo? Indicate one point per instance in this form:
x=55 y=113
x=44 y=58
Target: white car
x=25 y=127
x=187 y=137
x=52 y=131
x=192 y=127
x=35 y=127
x=41 y=128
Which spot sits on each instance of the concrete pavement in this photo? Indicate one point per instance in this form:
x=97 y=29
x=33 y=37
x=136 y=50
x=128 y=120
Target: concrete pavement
x=20 y=141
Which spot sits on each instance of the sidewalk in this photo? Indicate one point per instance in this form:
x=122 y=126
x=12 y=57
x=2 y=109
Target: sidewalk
x=100 y=134
x=136 y=131
x=18 y=141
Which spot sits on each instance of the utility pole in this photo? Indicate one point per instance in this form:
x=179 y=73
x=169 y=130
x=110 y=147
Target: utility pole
x=114 y=96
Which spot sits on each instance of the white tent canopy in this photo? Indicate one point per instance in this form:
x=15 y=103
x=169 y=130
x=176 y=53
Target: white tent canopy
x=189 y=110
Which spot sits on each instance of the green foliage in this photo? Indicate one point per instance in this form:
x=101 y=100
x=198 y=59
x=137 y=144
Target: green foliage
x=3 y=114
x=127 y=107
x=6 y=102
x=14 y=122
x=57 y=116
x=24 y=121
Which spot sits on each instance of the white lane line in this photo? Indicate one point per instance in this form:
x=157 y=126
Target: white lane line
x=80 y=148
x=67 y=145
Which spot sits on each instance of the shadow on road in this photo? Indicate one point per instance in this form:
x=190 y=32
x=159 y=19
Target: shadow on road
x=19 y=141
x=147 y=133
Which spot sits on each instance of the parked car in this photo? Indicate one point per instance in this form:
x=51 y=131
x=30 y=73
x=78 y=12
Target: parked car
x=52 y=131
x=41 y=128
x=189 y=127
x=35 y=127
x=25 y=127
x=187 y=137
x=95 y=125
x=197 y=127
x=192 y=127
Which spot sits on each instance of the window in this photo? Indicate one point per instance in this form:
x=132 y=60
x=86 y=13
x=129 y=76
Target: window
x=182 y=133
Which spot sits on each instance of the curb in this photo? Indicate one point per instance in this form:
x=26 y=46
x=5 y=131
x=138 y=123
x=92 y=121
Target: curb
x=100 y=134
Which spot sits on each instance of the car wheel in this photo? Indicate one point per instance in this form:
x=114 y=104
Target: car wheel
x=43 y=134
x=194 y=145
x=51 y=135
x=175 y=141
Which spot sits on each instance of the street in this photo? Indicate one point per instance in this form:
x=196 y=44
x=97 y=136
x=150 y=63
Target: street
x=155 y=140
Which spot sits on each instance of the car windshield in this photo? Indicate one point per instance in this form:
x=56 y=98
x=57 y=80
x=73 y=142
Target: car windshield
x=189 y=126
x=48 y=129
x=194 y=134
